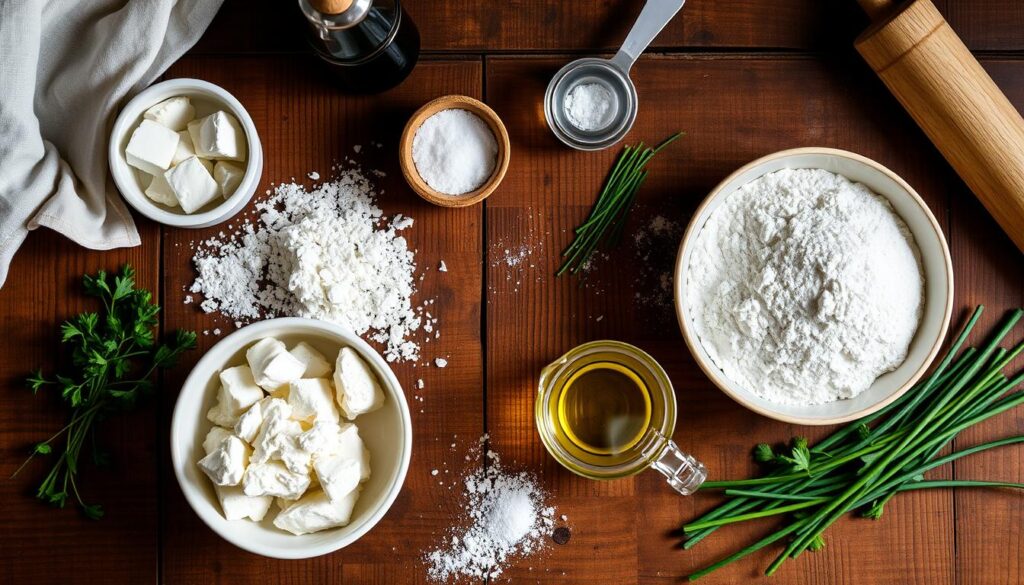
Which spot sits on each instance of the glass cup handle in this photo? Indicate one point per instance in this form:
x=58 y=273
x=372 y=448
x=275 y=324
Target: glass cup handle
x=684 y=473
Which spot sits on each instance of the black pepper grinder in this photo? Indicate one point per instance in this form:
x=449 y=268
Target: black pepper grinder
x=371 y=45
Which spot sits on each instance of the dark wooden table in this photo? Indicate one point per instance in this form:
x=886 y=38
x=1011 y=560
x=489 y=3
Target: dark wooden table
x=743 y=78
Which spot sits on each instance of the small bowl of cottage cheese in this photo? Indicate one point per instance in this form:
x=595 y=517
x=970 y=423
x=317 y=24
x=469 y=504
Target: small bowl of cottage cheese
x=185 y=153
x=814 y=286
x=291 y=438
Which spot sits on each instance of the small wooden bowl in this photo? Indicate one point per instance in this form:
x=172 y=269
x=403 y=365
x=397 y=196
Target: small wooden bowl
x=486 y=114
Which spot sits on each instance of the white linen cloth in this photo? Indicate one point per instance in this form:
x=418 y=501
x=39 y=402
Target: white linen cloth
x=66 y=67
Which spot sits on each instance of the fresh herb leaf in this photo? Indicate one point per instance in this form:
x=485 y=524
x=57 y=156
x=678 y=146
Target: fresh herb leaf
x=37 y=381
x=106 y=348
x=801 y=455
x=93 y=511
x=763 y=453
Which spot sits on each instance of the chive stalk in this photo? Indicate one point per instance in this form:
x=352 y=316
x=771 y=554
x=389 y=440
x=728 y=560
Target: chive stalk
x=607 y=218
x=863 y=465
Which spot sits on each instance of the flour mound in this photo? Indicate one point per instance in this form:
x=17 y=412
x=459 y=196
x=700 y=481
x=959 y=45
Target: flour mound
x=507 y=518
x=322 y=253
x=805 y=287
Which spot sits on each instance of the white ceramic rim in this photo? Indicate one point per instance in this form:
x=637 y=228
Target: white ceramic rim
x=211 y=517
x=716 y=375
x=124 y=175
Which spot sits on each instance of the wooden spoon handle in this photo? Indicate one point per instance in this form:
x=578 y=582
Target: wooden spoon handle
x=331 y=6
x=876 y=9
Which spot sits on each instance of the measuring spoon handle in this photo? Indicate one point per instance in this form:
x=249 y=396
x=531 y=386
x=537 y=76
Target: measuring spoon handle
x=655 y=15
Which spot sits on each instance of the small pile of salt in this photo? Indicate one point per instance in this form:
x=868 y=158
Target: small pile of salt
x=508 y=518
x=455 y=151
x=589 y=106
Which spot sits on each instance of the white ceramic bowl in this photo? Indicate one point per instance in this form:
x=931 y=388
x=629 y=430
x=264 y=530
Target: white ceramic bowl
x=934 y=258
x=207 y=99
x=387 y=433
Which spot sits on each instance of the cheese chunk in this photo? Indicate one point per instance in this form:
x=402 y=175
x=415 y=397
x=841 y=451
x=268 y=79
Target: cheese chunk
x=238 y=506
x=214 y=438
x=316 y=363
x=349 y=445
x=321 y=435
x=277 y=433
x=233 y=501
x=226 y=464
x=184 y=149
x=228 y=176
x=274 y=479
x=160 y=191
x=250 y=422
x=174 y=113
x=218 y=136
x=338 y=475
x=272 y=366
x=208 y=165
x=276 y=408
x=312 y=399
x=151 y=147
x=192 y=184
x=315 y=512
x=237 y=393
x=277 y=439
x=355 y=384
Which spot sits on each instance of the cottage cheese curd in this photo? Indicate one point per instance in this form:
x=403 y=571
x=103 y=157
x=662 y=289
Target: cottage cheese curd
x=278 y=435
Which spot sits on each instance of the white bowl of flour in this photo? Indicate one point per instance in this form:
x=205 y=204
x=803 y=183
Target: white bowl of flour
x=814 y=286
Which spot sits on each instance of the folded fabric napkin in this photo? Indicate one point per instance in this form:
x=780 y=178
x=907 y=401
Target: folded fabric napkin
x=66 y=67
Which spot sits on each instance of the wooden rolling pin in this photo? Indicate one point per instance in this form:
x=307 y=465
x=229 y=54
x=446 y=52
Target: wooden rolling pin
x=933 y=74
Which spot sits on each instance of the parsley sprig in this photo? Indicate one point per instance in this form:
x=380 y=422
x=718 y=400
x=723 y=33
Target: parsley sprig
x=114 y=354
x=799 y=458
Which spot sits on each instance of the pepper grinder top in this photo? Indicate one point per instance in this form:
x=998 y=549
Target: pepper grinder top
x=370 y=44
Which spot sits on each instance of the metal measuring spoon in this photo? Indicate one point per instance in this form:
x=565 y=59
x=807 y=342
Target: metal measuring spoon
x=613 y=75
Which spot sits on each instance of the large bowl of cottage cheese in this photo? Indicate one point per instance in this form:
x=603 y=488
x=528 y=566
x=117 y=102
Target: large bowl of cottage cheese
x=814 y=286
x=386 y=433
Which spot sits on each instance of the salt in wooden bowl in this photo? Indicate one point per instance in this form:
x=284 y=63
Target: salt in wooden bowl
x=485 y=113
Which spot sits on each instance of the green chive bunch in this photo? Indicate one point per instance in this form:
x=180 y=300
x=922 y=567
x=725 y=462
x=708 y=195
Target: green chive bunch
x=608 y=216
x=862 y=466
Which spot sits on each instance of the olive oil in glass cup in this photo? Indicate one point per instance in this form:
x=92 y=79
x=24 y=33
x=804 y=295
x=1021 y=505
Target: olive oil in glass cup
x=606 y=409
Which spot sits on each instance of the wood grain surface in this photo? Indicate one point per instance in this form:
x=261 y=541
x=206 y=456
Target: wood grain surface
x=742 y=78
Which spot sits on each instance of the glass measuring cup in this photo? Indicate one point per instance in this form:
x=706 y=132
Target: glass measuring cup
x=639 y=429
x=611 y=74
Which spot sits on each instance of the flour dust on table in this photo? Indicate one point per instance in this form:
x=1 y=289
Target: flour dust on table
x=804 y=287
x=505 y=517
x=325 y=252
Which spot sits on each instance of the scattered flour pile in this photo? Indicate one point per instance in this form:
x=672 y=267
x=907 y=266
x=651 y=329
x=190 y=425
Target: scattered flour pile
x=323 y=253
x=507 y=518
x=804 y=287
